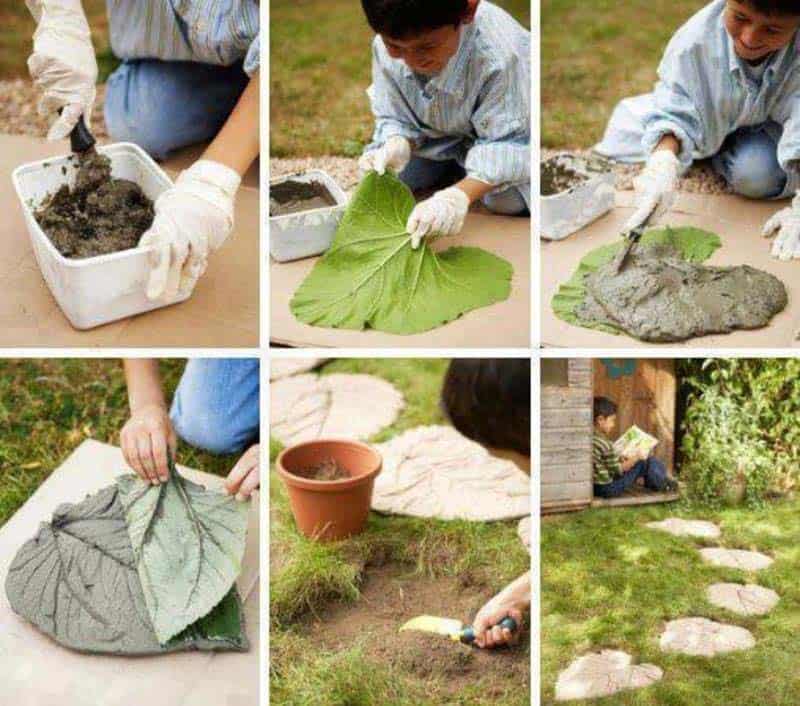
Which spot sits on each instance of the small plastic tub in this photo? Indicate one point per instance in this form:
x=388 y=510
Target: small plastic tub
x=95 y=290
x=568 y=211
x=306 y=233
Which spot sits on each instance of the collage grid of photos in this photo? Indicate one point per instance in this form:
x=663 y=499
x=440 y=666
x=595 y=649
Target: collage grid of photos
x=518 y=450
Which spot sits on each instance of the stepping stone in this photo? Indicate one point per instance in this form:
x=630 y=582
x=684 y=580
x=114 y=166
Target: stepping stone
x=286 y=367
x=704 y=638
x=604 y=673
x=307 y=407
x=736 y=558
x=524 y=531
x=686 y=528
x=743 y=599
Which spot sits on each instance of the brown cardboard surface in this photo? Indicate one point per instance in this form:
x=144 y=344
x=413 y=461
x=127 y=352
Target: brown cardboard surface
x=503 y=325
x=222 y=312
x=35 y=670
x=737 y=221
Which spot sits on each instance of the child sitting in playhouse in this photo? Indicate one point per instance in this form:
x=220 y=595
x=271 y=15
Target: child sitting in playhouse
x=612 y=475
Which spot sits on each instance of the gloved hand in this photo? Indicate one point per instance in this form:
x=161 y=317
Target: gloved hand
x=192 y=219
x=656 y=188
x=785 y=224
x=441 y=214
x=394 y=154
x=63 y=64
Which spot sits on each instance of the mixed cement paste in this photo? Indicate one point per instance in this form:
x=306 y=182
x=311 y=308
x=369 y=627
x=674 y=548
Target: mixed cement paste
x=98 y=214
x=295 y=196
x=659 y=296
x=77 y=581
x=556 y=176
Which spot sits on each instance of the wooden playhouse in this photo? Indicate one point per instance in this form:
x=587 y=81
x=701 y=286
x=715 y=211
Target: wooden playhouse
x=645 y=392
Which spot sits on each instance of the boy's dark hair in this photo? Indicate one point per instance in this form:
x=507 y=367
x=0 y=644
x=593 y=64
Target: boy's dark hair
x=405 y=18
x=603 y=407
x=775 y=7
x=489 y=401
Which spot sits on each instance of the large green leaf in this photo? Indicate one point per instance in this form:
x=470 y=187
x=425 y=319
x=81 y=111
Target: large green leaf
x=76 y=580
x=371 y=278
x=188 y=543
x=693 y=244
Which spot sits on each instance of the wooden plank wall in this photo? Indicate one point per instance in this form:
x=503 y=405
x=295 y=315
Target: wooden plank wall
x=566 y=439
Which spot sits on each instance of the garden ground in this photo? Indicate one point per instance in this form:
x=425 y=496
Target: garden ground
x=335 y=608
x=609 y=582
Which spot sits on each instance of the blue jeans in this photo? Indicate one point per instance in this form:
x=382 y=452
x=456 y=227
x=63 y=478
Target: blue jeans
x=215 y=407
x=421 y=173
x=165 y=105
x=748 y=161
x=652 y=470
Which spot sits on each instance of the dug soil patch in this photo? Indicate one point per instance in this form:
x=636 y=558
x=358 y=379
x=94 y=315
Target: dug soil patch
x=328 y=469
x=98 y=215
x=390 y=596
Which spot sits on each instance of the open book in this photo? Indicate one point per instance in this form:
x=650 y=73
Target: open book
x=634 y=442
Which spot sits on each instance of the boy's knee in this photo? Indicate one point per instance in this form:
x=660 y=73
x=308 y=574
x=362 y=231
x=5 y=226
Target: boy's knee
x=756 y=174
x=202 y=433
x=505 y=203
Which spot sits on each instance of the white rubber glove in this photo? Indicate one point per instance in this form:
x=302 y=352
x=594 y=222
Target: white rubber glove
x=394 y=154
x=656 y=188
x=192 y=219
x=441 y=214
x=785 y=225
x=63 y=64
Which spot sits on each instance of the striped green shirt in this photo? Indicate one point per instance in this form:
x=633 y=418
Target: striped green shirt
x=605 y=462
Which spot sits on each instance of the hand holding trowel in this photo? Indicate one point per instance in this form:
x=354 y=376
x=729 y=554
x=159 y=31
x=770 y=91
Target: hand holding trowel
x=631 y=238
x=450 y=627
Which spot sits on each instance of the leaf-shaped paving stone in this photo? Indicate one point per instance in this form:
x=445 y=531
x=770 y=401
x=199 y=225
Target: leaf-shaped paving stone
x=76 y=581
x=371 y=278
x=188 y=544
x=307 y=407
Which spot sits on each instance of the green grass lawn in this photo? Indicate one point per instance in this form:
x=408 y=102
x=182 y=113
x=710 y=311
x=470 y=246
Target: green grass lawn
x=608 y=582
x=49 y=406
x=596 y=53
x=319 y=70
x=307 y=576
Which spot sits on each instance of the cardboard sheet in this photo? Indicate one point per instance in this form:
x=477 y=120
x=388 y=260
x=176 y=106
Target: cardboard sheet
x=35 y=670
x=222 y=312
x=736 y=220
x=503 y=325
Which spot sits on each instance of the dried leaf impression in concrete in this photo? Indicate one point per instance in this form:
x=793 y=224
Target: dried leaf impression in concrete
x=736 y=558
x=307 y=407
x=77 y=581
x=434 y=471
x=746 y=599
x=704 y=638
x=602 y=674
x=686 y=528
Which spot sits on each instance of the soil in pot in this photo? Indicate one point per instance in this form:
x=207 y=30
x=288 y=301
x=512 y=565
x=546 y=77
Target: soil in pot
x=327 y=469
x=557 y=177
x=296 y=196
x=98 y=215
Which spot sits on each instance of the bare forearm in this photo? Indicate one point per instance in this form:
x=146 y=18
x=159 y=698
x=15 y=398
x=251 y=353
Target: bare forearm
x=669 y=143
x=237 y=143
x=474 y=188
x=517 y=594
x=144 y=383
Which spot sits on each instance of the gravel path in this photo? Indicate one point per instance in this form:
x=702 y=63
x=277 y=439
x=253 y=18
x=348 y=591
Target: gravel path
x=344 y=170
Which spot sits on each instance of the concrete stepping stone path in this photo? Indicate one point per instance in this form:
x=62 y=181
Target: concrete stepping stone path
x=704 y=638
x=736 y=558
x=604 y=673
x=686 y=528
x=743 y=599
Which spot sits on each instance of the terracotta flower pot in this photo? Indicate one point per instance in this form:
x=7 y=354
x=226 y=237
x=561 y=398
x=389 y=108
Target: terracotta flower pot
x=328 y=510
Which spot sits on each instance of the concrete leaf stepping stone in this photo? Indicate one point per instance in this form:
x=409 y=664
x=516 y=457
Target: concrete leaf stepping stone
x=307 y=407
x=686 y=528
x=704 y=638
x=286 y=367
x=742 y=599
x=604 y=673
x=524 y=529
x=435 y=471
x=736 y=558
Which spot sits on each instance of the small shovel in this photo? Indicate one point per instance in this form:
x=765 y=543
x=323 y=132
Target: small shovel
x=449 y=627
x=632 y=237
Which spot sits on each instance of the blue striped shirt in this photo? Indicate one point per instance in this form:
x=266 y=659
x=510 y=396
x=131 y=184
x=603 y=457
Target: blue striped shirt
x=218 y=32
x=705 y=92
x=475 y=111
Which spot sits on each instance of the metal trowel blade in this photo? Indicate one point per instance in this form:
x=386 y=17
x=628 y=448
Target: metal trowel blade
x=622 y=255
x=449 y=627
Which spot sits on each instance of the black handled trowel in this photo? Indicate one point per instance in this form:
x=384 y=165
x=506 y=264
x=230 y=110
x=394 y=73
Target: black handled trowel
x=80 y=139
x=449 y=627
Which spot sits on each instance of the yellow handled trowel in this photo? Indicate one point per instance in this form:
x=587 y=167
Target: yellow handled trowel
x=450 y=627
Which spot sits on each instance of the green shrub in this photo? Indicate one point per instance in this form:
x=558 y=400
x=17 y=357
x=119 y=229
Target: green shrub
x=741 y=437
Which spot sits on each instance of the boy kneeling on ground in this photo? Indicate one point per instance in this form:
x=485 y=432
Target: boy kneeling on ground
x=612 y=475
x=451 y=97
